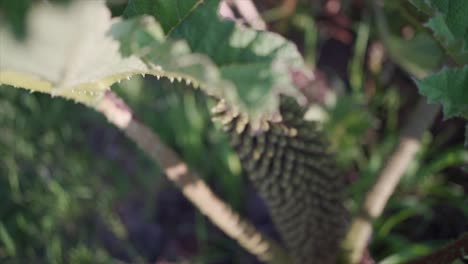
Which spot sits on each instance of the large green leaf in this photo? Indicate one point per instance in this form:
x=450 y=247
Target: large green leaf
x=256 y=63
x=449 y=22
x=169 y=13
x=448 y=87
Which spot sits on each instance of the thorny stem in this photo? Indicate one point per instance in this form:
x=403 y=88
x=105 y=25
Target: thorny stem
x=377 y=197
x=192 y=186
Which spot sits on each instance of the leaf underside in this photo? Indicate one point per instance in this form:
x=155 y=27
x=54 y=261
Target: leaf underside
x=66 y=53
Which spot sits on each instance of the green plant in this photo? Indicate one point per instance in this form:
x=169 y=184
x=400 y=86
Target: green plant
x=244 y=68
x=449 y=25
x=74 y=49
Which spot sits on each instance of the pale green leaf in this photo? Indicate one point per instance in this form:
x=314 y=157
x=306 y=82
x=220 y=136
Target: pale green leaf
x=66 y=53
x=74 y=52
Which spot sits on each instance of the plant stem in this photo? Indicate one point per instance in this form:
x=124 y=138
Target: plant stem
x=376 y=199
x=192 y=186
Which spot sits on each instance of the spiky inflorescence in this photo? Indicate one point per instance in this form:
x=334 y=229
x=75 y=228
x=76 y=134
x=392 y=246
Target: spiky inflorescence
x=288 y=163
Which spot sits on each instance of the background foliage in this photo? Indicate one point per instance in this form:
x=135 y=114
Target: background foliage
x=74 y=190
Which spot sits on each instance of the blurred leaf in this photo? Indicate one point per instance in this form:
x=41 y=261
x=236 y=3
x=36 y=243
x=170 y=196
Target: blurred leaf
x=347 y=125
x=61 y=184
x=14 y=13
x=422 y=5
x=450 y=158
x=466 y=136
x=67 y=52
x=412 y=54
x=7 y=241
x=449 y=22
x=356 y=67
x=390 y=222
x=449 y=88
x=407 y=250
x=86 y=255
